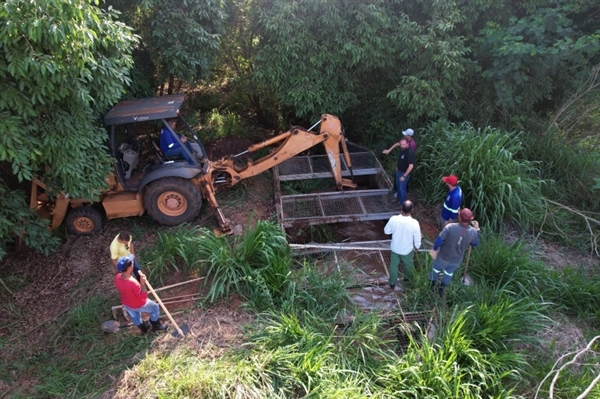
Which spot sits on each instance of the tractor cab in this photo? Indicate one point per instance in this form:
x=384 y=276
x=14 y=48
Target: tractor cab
x=137 y=165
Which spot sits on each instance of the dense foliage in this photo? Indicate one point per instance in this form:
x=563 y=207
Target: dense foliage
x=497 y=186
x=62 y=63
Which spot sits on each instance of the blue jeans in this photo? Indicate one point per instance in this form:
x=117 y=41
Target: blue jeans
x=401 y=184
x=136 y=314
x=440 y=265
x=179 y=152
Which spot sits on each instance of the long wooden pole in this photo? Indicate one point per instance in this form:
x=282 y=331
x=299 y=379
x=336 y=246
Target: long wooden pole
x=467 y=264
x=164 y=308
x=175 y=285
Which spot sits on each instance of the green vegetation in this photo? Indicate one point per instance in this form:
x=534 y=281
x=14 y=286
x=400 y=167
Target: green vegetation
x=76 y=361
x=497 y=186
x=171 y=252
x=478 y=344
x=504 y=94
x=222 y=124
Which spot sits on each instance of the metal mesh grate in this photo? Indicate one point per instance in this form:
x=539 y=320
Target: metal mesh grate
x=295 y=166
x=333 y=206
x=361 y=205
x=383 y=202
x=304 y=167
x=363 y=160
x=303 y=207
x=320 y=164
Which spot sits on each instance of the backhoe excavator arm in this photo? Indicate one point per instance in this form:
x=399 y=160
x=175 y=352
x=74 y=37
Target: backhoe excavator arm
x=225 y=173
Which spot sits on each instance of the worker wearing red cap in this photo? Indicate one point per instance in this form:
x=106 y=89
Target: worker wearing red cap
x=452 y=202
x=450 y=246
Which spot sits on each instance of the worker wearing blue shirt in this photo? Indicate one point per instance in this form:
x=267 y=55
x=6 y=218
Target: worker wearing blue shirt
x=171 y=147
x=452 y=202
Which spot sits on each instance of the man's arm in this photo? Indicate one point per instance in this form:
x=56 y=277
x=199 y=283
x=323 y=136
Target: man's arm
x=131 y=246
x=114 y=261
x=143 y=282
x=417 y=238
x=475 y=225
x=388 y=227
x=390 y=149
x=408 y=170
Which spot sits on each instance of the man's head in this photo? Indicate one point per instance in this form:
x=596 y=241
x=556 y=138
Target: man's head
x=465 y=215
x=124 y=263
x=408 y=133
x=124 y=237
x=450 y=180
x=403 y=143
x=172 y=122
x=407 y=207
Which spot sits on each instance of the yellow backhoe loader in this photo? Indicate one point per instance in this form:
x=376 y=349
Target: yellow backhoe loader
x=171 y=190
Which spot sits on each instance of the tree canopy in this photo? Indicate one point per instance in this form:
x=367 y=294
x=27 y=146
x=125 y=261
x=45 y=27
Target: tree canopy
x=380 y=65
x=63 y=63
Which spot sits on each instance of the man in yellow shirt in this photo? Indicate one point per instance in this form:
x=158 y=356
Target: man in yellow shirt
x=122 y=246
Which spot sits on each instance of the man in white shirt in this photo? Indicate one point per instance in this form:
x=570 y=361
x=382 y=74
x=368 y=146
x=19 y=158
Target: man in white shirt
x=406 y=237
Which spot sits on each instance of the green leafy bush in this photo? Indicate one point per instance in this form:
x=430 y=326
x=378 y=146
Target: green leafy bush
x=218 y=124
x=496 y=184
x=174 y=249
x=495 y=263
x=256 y=264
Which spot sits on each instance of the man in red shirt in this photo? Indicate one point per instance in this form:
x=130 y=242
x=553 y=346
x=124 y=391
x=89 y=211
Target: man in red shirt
x=134 y=296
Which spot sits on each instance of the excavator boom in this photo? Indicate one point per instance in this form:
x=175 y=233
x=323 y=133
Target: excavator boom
x=225 y=173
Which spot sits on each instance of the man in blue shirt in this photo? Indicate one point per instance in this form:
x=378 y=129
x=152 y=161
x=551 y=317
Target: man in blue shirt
x=170 y=147
x=452 y=202
x=450 y=246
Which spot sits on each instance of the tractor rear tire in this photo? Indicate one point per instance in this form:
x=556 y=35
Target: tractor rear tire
x=83 y=221
x=172 y=201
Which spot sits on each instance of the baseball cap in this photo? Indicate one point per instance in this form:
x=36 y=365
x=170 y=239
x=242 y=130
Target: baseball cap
x=124 y=262
x=452 y=180
x=466 y=215
x=408 y=132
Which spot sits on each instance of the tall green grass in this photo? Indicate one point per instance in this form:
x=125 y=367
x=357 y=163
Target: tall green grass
x=495 y=263
x=577 y=291
x=255 y=265
x=303 y=355
x=171 y=251
x=450 y=368
x=496 y=184
x=571 y=168
x=79 y=360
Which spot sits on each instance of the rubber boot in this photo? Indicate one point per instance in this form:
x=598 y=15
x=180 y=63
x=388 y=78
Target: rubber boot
x=432 y=286
x=143 y=327
x=156 y=326
x=442 y=289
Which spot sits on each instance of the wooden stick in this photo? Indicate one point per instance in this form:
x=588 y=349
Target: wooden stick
x=467 y=265
x=175 y=285
x=179 y=296
x=164 y=308
x=180 y=300
x=169 y=300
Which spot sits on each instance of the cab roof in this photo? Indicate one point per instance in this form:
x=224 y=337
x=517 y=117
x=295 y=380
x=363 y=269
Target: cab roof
x=144 y=109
